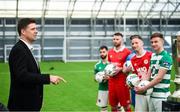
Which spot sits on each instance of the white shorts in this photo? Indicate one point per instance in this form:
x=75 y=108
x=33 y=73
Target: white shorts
x=102 y=99
x=142 y=103
x=155 y=104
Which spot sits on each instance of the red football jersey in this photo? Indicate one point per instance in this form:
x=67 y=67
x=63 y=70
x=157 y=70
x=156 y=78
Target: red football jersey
x=141 y=64
x=118 y=90
x=119 y=57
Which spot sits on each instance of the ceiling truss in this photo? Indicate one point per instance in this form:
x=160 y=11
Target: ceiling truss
x=90 y=8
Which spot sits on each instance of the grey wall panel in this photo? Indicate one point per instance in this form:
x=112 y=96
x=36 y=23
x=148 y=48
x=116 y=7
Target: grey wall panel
x=83 y=37
x=53 y=42
x=53 y=52
x=79 y=43
x=79 y=52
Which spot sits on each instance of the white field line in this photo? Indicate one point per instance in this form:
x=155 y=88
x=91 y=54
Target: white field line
x=89 y=71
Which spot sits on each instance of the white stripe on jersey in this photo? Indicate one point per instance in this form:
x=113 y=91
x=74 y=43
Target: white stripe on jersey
x=167 y=76
x=166 y=68
x=160 y=94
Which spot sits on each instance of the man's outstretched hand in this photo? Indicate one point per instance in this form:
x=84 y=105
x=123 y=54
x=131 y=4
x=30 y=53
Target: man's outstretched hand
x=56 y=79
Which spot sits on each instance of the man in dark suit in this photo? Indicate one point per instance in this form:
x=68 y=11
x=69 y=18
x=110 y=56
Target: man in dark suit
x=26 y=88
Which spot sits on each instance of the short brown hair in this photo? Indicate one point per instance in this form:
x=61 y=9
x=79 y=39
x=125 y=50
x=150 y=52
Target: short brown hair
x=157 y=35
x=136 y=36
x=118 y=34
x=23 y=23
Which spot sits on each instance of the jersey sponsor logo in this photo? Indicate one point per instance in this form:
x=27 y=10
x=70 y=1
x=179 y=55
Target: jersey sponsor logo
x=142 y=70
x=156 y=57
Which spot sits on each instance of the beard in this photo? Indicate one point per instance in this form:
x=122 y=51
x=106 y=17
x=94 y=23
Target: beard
x=103 y=56
x=117 y=44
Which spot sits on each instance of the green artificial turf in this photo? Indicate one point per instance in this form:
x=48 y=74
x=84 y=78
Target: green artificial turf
x=78 y=94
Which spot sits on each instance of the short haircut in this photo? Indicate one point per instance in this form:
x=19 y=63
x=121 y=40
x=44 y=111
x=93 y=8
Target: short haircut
x=157 y=35
x=136 y=36
x=118 y=34
x=23 y=23
x=103 y=47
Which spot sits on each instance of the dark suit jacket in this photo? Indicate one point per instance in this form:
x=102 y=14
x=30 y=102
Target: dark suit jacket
x=26 y=88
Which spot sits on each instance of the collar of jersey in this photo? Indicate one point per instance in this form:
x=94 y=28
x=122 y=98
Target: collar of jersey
x=144 y=52
x=121 y=49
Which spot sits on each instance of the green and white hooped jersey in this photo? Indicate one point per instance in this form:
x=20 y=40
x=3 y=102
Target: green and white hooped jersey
x=164 y=61
x=100 y=67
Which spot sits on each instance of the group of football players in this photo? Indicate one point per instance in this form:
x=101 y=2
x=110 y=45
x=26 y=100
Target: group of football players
x=154 y=67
